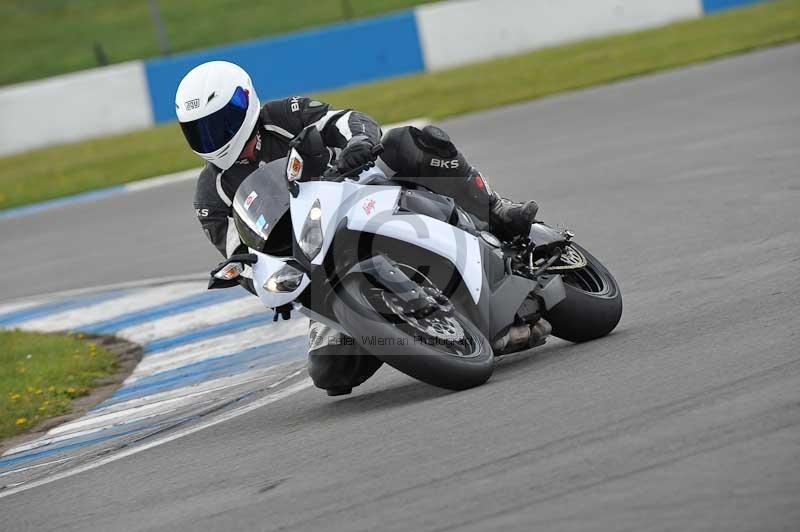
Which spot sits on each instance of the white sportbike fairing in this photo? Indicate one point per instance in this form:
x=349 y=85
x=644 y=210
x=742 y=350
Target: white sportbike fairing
x=407 y=274
x=370 y=209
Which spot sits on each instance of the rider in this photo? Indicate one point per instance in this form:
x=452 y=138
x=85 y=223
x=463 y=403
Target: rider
x=225 y=124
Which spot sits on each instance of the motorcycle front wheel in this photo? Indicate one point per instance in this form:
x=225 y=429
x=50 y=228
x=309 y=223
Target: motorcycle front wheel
x=443 y=348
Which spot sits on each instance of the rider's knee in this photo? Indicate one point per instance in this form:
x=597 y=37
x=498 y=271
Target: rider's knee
x=336 y=361
x=434 y=141
x=426 y=152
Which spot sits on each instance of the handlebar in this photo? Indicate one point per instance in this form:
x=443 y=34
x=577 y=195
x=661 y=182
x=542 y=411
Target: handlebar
x=333 y=173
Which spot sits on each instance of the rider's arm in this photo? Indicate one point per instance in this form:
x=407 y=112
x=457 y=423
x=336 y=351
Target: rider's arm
x=338 y=126
x=213 y=210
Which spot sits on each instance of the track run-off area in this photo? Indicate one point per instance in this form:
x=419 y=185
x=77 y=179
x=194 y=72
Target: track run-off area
x=686 y=184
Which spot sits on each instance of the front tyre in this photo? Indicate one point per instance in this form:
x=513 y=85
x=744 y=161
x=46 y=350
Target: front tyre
x=593 y=304
x=444 y=348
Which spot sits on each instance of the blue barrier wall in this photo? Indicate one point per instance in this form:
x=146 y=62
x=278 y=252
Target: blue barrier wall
x=710 y=6
x=302 y=62
x=432 y=36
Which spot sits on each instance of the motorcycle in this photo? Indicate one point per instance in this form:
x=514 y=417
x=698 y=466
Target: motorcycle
x=406 y=273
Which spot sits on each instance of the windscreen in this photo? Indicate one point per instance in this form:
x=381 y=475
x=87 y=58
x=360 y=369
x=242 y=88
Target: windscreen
x=261 y=210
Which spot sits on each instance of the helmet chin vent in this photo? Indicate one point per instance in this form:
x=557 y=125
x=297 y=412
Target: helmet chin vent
x=211 y=96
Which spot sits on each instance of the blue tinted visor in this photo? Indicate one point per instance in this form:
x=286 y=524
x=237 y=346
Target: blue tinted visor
x=212 y=132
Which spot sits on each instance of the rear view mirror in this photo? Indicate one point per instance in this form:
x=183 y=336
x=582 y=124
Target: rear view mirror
x=309 y=142
x=308 y=157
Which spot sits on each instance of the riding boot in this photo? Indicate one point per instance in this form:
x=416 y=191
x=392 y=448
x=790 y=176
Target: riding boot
x=505 y=218
x=508 y=219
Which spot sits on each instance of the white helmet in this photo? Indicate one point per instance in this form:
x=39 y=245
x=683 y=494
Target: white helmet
x=217 y=108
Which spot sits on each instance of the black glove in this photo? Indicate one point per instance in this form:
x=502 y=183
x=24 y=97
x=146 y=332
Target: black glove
x=357 y=153
x=284 y=311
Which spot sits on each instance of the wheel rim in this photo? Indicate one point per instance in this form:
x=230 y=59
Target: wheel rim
x=587 y=278
x=570 y=259
x=440 y=330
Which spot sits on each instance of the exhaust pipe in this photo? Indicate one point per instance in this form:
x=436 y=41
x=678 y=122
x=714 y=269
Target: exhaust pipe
x=521 y=337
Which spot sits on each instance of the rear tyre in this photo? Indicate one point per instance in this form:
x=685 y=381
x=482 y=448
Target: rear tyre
x=444 y=349
x=593 y=304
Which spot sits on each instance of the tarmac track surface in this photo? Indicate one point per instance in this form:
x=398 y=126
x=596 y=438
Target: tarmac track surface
x=687 y=185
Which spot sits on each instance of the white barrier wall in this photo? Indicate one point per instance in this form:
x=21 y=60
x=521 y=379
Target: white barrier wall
x=75 y=106
x=458 y=32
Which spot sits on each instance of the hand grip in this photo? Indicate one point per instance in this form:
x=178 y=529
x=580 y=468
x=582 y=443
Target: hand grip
x=333 y=174
x=377 y=150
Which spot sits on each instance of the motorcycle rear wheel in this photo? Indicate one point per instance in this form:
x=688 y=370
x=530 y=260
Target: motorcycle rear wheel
x=593 y=304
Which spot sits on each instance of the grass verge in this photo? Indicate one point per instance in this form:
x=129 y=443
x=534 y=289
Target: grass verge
x=53 y=172
x=41 y=374
x=573 y=66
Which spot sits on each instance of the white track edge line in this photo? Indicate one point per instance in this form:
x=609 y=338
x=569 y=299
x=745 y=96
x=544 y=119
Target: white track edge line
x=74 y=292
x=286 y=392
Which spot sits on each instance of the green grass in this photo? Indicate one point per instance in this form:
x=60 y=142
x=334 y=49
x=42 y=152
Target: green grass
x=40 y=375
x=54 y=172
x=42 y=38
x=573 y=66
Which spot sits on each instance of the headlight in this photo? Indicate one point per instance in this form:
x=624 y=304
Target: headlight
x=285 y=280
x=311 y=234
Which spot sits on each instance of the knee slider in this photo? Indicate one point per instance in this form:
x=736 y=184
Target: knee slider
x=435 y=141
